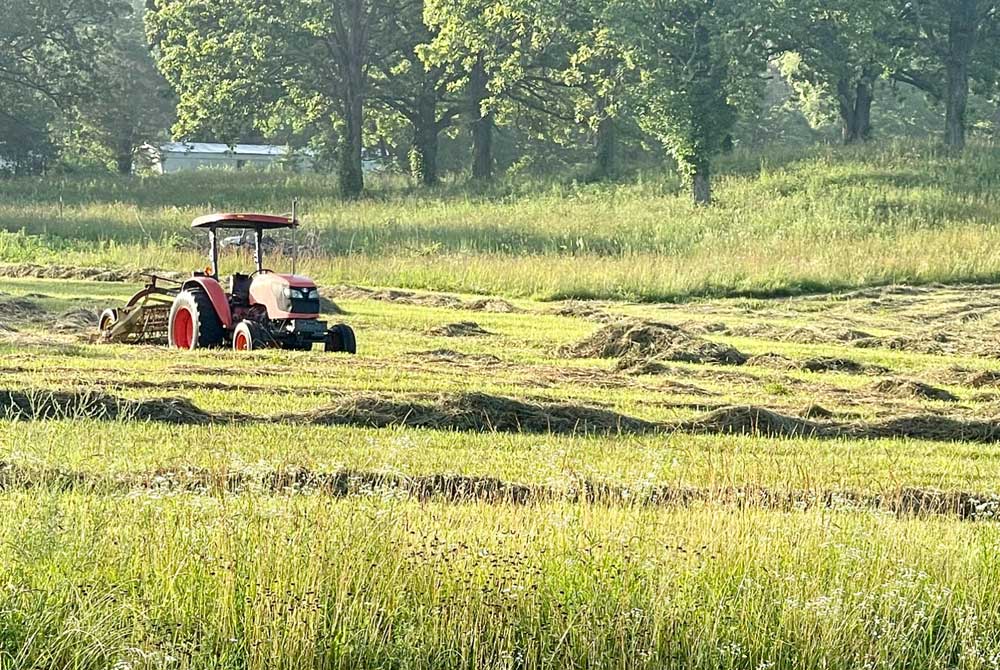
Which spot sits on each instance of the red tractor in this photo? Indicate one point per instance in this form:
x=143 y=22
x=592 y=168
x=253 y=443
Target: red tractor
x=254 y=311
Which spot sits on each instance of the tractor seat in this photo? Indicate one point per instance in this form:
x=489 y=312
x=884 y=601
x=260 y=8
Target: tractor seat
x=239 y=288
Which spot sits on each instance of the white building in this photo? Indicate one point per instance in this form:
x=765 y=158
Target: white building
x=182 y=156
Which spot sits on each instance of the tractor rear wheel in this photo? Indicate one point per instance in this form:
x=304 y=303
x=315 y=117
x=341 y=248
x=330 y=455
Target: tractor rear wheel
x=193 y=322
x=248 y=336
x=340 y=338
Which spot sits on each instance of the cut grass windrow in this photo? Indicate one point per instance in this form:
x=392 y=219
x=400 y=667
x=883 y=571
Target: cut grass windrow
x=453 y=488
x=481 y=412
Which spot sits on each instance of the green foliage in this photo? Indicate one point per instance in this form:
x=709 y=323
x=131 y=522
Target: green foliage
x=48 y=50
x=696 y=60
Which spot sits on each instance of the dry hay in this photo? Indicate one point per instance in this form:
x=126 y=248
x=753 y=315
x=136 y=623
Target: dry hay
x=931 y=344
x=327 y=306
x=760 y=422
x=457 y=357
x=820 y=364
x=92 y=274
x=78 y=320
x=983 y=378
x=473 y=412
x=40 y=405
x=750 y=420
x=20 y=309
x=637 y=342
x=810 y=335
x=704 y=328
x=911 y=388
x=582 y=310
x=495 y=305
x=460 y=329
x=817 y=412
x=935 y=428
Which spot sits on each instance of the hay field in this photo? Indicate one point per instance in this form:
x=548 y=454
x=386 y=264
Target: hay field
x=806 y=482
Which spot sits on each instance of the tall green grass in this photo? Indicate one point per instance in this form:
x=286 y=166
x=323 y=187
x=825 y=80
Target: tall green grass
x=784 y=223
x=250 y=581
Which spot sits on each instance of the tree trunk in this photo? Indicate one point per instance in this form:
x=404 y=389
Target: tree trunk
x=606 y=163
x=701 y=185
x=482 y=124
x=124 y=158
x=961 y=40
x=854 y=103
x=424 y=153
x=350 y=175
x=996 y=124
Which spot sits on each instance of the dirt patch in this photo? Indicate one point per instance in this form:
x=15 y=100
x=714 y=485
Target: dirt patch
x=474 y=412
x=460 y=329
x=41 y=405
x=910 y=388
x=495 y=305
x=638 y=343
x=78 y=321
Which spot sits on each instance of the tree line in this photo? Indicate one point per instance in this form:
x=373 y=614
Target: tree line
x=600 y=76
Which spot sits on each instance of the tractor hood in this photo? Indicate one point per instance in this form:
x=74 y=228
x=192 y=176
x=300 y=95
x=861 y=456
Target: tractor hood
x=285 y=296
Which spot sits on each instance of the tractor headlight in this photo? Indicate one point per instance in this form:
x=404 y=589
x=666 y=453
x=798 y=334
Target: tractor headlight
x=313 y=294
x=296 y=293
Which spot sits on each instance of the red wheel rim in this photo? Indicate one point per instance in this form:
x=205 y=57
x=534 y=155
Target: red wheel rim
x=183 y=328
x=242 y=342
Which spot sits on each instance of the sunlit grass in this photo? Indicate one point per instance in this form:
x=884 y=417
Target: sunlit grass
x=301 y=582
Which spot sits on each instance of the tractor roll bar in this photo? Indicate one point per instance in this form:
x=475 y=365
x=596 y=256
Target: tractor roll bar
x=258 y=248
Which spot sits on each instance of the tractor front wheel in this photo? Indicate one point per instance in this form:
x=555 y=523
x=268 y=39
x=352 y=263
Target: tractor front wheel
x=193 y=322
x=249 y=336
x=341 y=338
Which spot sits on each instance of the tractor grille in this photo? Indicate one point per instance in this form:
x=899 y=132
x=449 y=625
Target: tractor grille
x=305 y=306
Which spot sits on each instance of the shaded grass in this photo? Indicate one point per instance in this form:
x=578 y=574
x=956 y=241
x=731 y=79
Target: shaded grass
x=830 y=219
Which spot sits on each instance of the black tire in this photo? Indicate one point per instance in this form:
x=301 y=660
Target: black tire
x=206 y=327
x=249 y=336
x=340 y=338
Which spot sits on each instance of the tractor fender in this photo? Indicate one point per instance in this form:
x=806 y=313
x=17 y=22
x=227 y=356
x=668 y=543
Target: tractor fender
x=215 y=293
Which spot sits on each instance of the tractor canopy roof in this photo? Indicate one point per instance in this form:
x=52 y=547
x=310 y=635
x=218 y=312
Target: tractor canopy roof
x=250 y=221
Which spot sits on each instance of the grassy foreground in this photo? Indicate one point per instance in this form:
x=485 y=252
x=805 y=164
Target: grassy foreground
x=785 y=223
x=255 y=534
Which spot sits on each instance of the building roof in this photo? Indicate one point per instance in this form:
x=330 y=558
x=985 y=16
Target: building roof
x=221 y=149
